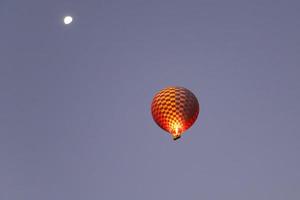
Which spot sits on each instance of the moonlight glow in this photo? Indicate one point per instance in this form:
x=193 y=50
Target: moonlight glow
x=68 y=20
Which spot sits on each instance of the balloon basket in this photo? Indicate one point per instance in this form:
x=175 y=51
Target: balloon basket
x=176 y=137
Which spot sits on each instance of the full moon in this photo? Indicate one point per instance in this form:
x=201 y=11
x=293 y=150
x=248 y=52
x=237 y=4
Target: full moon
x=68 y=20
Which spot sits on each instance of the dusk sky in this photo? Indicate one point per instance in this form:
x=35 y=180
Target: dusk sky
x=75 y=118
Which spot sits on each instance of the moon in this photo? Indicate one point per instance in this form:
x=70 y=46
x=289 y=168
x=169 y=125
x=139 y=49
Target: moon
x=68 y=20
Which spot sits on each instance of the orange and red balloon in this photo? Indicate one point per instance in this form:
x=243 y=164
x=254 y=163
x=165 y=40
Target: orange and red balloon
x=175 y=109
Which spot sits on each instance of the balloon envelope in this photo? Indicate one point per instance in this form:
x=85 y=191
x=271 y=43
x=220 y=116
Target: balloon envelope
x=175 y=109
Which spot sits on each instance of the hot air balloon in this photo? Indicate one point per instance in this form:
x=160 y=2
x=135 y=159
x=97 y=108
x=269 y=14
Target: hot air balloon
x=175 y=109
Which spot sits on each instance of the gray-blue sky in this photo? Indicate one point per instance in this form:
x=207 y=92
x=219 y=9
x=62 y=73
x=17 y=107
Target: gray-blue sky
x=75 y=100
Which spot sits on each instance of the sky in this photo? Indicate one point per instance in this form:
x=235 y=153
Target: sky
x=75 y=120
